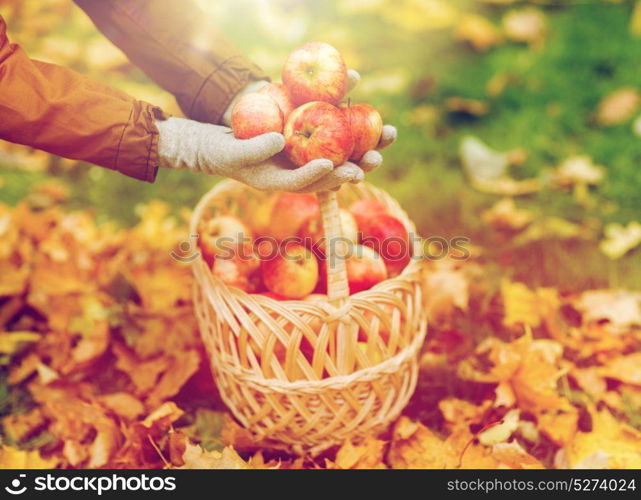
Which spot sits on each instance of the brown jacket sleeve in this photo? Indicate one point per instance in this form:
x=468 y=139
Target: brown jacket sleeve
x=175 y=45
x=59 y=111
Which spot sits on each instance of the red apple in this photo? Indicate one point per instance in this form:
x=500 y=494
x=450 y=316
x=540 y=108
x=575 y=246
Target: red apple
x=255 y=114
x=289 y=212
x=280 y=94
x=234 y=272
x=315 y=71
x=292 y=274
x=318 y=130
x=388 y=237
x=223 y=235
x=367 y=127
x=311 y=232
x=365 y=268
x=362 y=210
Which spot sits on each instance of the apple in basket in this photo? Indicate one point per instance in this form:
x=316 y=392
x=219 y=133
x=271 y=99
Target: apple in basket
x=280 y=94
x=315 y=71
x=388 y=237
x=318 y=130
x=367 y=126
x=312 y=236
x=293 y=273
x=238 y=272
x=365 y=209
x=289 y=211
x=222 y=235
x=255 y=114
x=365 y=268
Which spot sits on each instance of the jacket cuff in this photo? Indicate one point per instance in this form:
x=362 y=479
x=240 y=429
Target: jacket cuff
x=137 y=152
x=220 y=87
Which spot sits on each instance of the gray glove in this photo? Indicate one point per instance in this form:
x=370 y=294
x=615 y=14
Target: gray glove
x=213 y=149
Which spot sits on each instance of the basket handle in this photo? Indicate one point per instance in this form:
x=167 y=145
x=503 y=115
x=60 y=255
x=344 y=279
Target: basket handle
x=335 y=251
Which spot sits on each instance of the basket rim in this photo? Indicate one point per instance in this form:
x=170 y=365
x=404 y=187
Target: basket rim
x=411 y=268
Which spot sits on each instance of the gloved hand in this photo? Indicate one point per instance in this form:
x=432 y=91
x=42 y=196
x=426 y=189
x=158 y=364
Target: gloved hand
x=348 y=172
x=213 y=149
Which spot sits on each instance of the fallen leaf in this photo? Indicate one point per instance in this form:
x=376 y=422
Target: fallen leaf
x=197 y=458
x=487 y=170
x=478 y=31
x=526 y=25
x=621 y=308
x=505 y=216
x=503 y=431
x=526 y=307
x=471 y=107
x=513 y=456
x=614 y=443
x=414 y=446
x=624 y=368
x=618 y=107
x=366 y=455
x=578 y=170
x=619 y=239
x=12 y=458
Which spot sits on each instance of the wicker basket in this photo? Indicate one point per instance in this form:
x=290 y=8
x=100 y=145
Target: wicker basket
x=294 y=371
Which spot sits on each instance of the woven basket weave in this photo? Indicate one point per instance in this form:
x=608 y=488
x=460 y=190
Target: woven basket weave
x=294 y=371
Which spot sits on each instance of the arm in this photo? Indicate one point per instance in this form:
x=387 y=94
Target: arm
x=59 y=111
x=172 y=42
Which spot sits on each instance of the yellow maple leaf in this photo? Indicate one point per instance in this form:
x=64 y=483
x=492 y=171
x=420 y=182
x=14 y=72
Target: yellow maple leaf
x=11 y=342
x=366 y=455
x=526 y=307
x=196 y=457
x=617 y=445
x=13 y=458
x=414 y=446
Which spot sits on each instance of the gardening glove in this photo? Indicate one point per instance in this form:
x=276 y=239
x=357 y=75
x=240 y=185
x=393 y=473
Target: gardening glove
x=213 y=150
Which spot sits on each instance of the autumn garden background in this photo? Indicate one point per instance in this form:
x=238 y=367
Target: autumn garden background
x=519 y=128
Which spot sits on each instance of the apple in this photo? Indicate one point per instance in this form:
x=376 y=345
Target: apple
x=388 y=237
x=223 y=235
x=280 y=94
x=367 y=127
x=234 y=272
x=255 y=114
x=260 y=214
x=362 y=210
x=315 y=71
x=289 y=212
x=311 y=232
x=318 y=130
x=365 y=268
x=292 y=274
